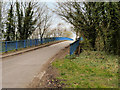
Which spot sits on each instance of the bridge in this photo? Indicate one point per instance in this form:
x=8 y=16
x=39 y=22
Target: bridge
x=19 y=70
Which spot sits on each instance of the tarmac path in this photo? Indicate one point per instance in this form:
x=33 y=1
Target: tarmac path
x=19 y=70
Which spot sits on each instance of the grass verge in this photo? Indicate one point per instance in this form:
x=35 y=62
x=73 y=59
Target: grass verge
x=91 y=69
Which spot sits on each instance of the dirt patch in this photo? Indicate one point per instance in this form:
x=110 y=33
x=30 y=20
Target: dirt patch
x=49 y=80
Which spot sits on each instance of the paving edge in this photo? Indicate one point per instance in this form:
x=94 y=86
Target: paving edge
x=30 y=49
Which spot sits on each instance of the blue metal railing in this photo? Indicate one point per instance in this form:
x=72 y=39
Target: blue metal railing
x=15 y=45
x=74 y=45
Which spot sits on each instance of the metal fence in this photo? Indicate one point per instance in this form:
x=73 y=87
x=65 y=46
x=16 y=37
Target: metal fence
x=74 y=45
x=15 y=45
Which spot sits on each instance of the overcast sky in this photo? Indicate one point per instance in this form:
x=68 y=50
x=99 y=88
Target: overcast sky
x=57 y=19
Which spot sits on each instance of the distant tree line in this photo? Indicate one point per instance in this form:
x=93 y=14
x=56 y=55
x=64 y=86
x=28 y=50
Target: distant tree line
x=59 y=31
x=97 y=22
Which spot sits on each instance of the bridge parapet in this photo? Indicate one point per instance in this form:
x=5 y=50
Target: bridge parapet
x=75 y=45
x=6 y=46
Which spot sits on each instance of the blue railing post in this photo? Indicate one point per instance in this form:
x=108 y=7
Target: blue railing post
x=41 y=41
x=5 y=46
x=24 y=44
x=16 y=45
x=30 y=42
x=36 y=41
x=0 y=47
x=70 y=50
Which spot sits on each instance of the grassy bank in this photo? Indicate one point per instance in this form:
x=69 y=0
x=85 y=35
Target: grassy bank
x=92 y=69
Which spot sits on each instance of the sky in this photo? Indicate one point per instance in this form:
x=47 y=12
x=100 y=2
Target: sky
x=57 y=19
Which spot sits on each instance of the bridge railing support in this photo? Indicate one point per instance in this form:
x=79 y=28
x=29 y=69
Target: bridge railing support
x=15 y=45
x=74 y=46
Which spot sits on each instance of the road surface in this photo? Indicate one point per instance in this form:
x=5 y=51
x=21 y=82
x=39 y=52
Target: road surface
x=19 y=70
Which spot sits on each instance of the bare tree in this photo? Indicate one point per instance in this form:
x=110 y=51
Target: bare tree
x=68 y=34
x=0 y=20
x=60 y=29
x=3 y=11
x=44 y=20
x=48 y=34
x=0 y=11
